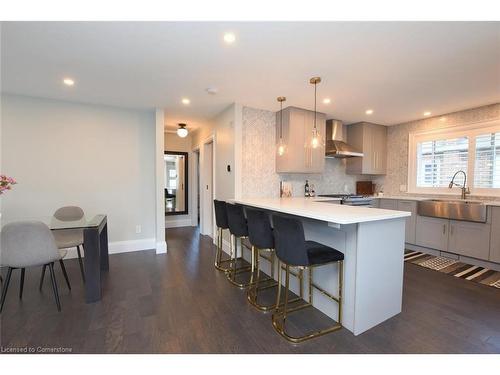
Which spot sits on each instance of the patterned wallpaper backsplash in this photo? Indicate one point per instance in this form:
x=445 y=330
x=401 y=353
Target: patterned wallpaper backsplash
x=397 y=141
x=259 y=176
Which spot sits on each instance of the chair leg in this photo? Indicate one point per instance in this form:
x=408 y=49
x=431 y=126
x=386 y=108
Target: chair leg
x=80 y=261
x=54 y=285
x=21 y=284
x=64 y=273
x=42 y=277
x=5 y=287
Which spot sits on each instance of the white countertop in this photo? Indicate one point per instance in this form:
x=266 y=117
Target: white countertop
x=318 y=208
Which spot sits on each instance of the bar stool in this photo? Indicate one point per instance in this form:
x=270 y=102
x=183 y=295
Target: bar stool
x=294 y=251
x=239 y=230
x=260 y=235
x=222 y=224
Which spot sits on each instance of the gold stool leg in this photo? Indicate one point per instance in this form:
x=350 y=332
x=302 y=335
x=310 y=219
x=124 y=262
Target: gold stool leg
x=231 y=274
x=279 y=316
x=258 y=284
x=218 y=253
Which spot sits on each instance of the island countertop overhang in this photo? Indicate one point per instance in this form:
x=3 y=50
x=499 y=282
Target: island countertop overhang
x=319 y=208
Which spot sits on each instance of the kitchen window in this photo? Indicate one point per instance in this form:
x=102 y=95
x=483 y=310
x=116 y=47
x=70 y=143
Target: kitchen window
x=435 y=156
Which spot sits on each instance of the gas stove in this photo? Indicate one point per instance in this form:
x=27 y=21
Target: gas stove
x=351 y=199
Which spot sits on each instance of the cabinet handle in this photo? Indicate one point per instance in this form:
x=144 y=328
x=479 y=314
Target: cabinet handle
x=444 y=228
x=451 y=229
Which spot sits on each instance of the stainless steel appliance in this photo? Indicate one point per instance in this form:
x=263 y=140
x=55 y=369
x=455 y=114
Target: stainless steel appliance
x=335 y=146
x=352 y=199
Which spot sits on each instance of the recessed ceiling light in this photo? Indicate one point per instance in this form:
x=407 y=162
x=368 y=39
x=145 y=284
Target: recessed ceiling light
x=229 y=38
x=327 y=101
x=186 y=101
x=427 y=113
x=68 y=82
x=369 y=111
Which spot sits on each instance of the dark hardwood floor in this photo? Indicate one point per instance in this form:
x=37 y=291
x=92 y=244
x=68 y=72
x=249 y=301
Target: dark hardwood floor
x=178 y=303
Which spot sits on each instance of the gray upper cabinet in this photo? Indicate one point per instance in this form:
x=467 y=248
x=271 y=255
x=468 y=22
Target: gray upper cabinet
x=371 y=139
x=494 y=255
x=300 y=156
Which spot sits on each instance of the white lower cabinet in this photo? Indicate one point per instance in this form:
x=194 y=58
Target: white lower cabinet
x=432 y=232
x=495 y=235
x=470 y=239
x=474 y=240
x=388 y=204
x=411 y=221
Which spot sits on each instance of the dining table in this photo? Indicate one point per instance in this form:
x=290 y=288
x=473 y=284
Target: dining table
x=95 y=245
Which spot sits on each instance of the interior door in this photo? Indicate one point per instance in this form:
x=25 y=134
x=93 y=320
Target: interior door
x=208 y=189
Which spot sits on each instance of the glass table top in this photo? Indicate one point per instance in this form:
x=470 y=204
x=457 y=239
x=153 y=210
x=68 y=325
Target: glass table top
x=55 y=224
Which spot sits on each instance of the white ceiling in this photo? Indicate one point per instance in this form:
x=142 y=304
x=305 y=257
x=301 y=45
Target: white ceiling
x=398 y=69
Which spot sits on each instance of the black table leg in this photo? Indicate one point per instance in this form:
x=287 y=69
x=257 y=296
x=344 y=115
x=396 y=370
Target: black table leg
x=92 y=259
x=103 y=238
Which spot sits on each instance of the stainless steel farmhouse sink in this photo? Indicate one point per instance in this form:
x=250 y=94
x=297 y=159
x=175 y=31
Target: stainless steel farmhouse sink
x=465 y=210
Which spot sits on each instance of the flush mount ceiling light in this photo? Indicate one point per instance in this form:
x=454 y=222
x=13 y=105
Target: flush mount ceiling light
x=327 y=101
x=316 y=140
x=182 y=131
x=229 y=38
x=369 y=111
x=185 y=101
x=427 y=113
x=68 y=81
x=281 y=143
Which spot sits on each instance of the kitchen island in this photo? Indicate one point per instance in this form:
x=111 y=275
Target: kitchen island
x=372 y=241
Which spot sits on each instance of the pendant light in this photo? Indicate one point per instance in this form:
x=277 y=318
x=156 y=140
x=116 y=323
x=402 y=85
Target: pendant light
x=281 y=143
x=182 y=131
x=316 y=136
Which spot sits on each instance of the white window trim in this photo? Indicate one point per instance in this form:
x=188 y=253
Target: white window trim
x=469 y=130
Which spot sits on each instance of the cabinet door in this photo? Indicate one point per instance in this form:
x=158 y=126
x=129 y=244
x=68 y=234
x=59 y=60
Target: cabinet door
x=409 y=206
x=432 y=232
x=495 y=235
x=314 y=158
x=469 y=239
x=388 y=204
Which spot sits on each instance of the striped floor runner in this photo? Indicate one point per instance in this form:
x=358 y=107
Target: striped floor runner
x=455 y=268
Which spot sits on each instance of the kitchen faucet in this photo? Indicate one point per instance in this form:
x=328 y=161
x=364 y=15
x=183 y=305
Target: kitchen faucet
x=465 y=189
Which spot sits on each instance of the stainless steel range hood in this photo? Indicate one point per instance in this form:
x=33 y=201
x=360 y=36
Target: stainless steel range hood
x=335 y=147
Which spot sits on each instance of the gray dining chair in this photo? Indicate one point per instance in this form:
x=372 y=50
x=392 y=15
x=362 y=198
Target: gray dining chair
x=26 y=244
x=69 y=238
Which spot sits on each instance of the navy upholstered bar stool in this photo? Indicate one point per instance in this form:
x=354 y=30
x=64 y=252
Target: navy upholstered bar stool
x=221 y=222
x=239 y=231
x=260 y=235
x=293 y=250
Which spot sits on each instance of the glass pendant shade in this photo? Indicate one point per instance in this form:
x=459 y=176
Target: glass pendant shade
x=316 y=140
x=281 y=148
x=182 y=131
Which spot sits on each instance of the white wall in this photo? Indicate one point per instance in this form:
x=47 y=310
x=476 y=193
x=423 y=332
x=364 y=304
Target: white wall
x=100 y=158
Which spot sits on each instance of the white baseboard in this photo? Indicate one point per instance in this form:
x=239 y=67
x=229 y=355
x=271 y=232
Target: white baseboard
x=127 y=246
x=178 y=223
x=161 y=247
